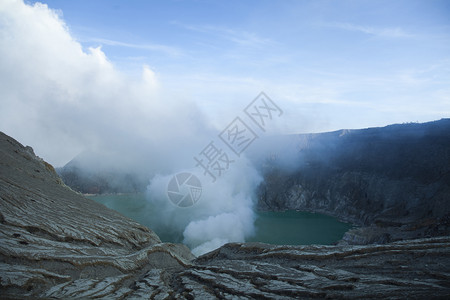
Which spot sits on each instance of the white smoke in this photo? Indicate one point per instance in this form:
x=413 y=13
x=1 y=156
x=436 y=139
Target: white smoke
x=224 y=212
x=62 y=100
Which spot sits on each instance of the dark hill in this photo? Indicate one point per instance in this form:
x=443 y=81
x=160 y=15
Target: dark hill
x=394 y=181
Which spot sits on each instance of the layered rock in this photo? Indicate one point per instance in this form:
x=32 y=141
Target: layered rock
x=413 y=269
x=54 y=243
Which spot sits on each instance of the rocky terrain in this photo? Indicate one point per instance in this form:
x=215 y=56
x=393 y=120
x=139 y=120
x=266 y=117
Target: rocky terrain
x=56 y=244
x=393 y=181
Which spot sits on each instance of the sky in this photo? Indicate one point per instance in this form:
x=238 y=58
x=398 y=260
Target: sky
x=77 y=75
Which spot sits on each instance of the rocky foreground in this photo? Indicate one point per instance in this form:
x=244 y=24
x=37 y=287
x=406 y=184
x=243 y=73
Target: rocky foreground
x=54 y=243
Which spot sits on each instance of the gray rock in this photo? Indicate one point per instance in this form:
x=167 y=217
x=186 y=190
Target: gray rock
x=54 y=243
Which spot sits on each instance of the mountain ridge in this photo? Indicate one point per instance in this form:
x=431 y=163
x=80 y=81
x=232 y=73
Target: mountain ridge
x=393 y=181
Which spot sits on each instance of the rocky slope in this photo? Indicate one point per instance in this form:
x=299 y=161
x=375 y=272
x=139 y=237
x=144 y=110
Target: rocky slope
x=56 y=244
x=392 y=181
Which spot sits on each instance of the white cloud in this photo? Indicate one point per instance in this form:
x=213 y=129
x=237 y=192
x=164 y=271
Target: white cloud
x=54 y=93
x=173 y=51
x=239 y=37
x=62 y=100
x=387 y=32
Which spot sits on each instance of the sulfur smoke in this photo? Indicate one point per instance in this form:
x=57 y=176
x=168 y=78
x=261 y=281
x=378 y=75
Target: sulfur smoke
x=224 y=212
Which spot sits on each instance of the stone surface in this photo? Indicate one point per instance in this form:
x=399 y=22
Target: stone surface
x=56 y=244
x=410 y=269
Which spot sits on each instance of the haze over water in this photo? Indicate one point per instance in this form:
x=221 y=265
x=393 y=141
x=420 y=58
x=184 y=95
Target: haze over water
x=281 y=228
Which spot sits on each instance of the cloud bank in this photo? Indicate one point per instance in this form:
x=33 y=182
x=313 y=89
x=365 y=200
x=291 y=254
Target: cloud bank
x=54 y=92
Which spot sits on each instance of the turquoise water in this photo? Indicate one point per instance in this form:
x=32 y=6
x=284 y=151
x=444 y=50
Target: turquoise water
x=298 y=228
x=283 y=228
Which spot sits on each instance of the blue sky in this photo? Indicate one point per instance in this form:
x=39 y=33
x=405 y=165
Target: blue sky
x=328 y=64
x=339 y=63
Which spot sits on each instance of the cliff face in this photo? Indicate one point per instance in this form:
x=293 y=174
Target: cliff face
x=54 y=243
x=392 y=181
